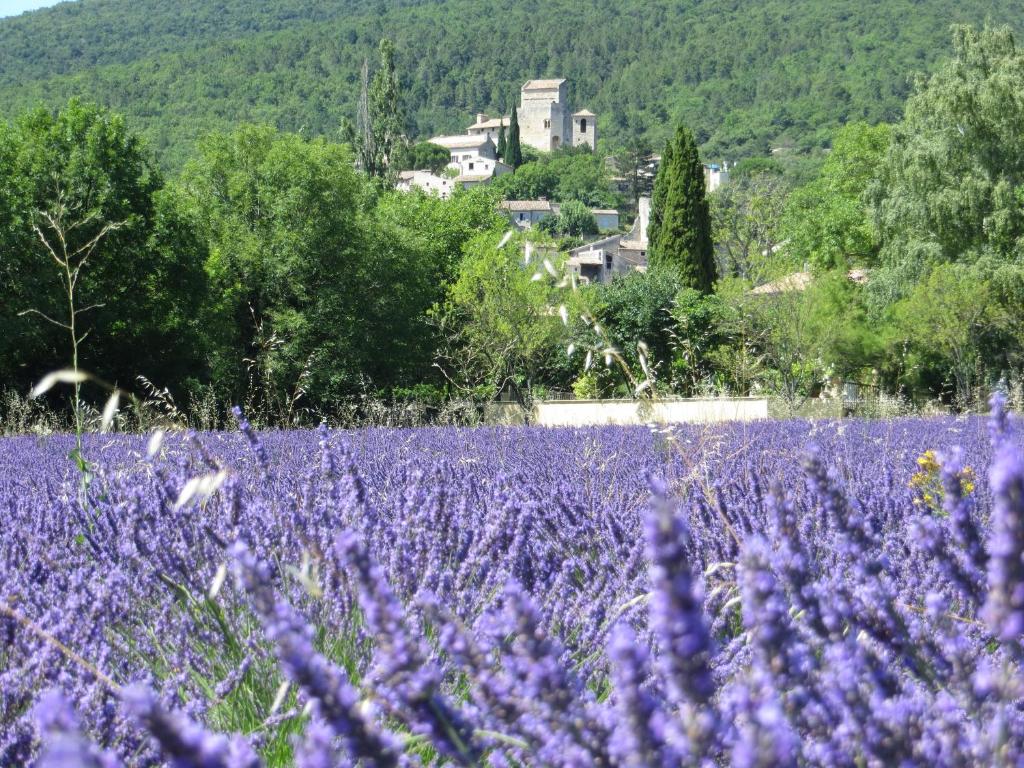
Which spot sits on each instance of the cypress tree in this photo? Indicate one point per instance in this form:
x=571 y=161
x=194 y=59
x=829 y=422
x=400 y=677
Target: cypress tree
x=658 y=196
x=385 y=106
x=514 y=149
x=680 y=216
x=502 y=144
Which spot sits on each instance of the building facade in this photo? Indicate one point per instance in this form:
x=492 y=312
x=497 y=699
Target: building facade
x=608 y=257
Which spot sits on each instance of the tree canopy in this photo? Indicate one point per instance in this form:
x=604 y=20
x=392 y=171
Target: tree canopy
x=745 y=76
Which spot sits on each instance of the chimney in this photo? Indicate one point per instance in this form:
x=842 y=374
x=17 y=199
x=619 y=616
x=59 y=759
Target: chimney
x=481 y=117
x=645 y=217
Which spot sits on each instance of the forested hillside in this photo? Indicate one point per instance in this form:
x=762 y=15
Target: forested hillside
x=746 y=75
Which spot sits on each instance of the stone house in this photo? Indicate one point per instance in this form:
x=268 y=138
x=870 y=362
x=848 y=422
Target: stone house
x=525 y=214
x=488 y=126
x=608 y=257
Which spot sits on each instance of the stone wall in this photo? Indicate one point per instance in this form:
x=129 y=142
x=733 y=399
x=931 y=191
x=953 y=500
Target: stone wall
x=578 y=413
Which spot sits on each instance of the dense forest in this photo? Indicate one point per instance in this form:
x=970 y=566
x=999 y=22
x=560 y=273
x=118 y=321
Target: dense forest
x=745 y=76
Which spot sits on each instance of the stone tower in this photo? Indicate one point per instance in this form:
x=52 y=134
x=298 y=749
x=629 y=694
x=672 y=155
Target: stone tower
x=584 y=129
x=545 y=121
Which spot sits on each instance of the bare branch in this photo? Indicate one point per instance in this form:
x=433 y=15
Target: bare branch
x=59 y=324
x=91 y=306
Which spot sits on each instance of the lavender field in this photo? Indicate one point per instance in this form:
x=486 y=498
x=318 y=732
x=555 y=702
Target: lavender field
x=780 y=593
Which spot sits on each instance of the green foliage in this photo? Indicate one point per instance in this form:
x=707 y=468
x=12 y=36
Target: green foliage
x=385 y=106
x=139 y=295
x=746 y=216
x=946 y=319
x=573 y=220
x=950 y=187
x=287 y=262
x=496 y=321
x=630 y=159
x=637 y=308
x=423 y=156
x=561 y=176
x=683 y=236
x=827 y=223
x=514 y=147
x=502 y=147
x=745 y=76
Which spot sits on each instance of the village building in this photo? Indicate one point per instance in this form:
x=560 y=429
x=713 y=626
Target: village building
x=715 y=176
x=525 y=214
x=474 y=161
x=614 y=255
x=489 y=126
x=546 y=120
x=465 y=148
x=429 y=182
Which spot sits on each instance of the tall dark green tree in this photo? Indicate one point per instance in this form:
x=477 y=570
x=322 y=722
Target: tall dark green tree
x=683 y=238
x=514 y=149
x=658 y=197
x=502 y=141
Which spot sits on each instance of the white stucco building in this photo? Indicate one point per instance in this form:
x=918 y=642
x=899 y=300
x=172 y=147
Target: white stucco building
x=474 y=159
x=546 y=119
x=430 y=183
x=715 y=176
x=467 y=147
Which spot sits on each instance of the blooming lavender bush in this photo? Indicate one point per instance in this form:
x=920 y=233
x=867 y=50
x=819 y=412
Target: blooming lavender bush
x=751 y=595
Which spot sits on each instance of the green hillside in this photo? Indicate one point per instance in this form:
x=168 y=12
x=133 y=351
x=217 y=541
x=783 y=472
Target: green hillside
x=745 y=74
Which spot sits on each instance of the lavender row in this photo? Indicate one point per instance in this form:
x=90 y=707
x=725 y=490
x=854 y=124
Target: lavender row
x=783 y=593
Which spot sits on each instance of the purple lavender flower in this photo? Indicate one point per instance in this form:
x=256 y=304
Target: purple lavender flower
x=258 y=449
x=639 y=737
x=409 y=683
x=677 y=618
x=335 y=700
x=184 y=743
x=63 y=745
x=1004 y=609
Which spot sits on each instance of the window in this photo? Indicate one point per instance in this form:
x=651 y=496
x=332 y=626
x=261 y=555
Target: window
x=583 y=125
x=607 y=261
x=547 y=123
x=522 y=216
x=471 y=166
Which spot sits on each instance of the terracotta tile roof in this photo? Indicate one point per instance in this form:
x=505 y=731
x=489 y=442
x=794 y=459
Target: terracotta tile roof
x=494 y=122
x=584 y=113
